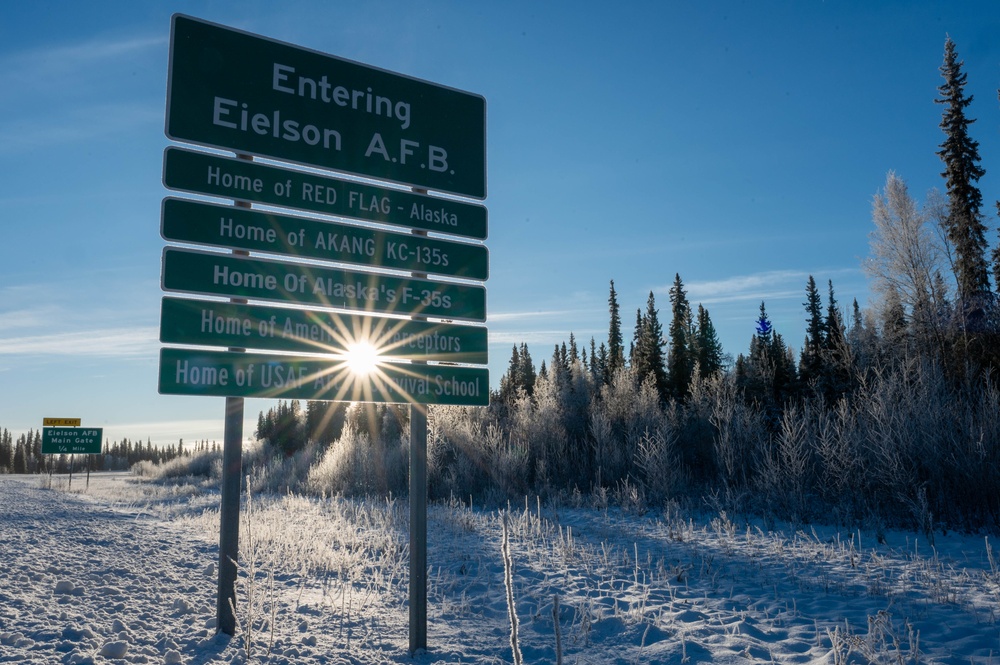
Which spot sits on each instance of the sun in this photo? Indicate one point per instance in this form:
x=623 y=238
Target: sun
x=362 y=358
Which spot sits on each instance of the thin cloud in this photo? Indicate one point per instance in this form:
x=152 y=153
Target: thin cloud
x=743 y=284
x=531 y=337
x=769 y=285
x=37 y=67
x=86 y=123
x=27 y=318
x=106 y=342
x=521 y=316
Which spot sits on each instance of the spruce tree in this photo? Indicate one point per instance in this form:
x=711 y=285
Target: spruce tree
x=616 y=348
x=647 y=358
x=836 y=361
x=604 y=364
x=680 y=360
x=960 y=154
x=639 y=324
x=810 y=365
x=708 y=350
x=769 y=372
x=19 y=463
x=6 y=451
x=526 y=371
x=596 y=368
x=509 y=382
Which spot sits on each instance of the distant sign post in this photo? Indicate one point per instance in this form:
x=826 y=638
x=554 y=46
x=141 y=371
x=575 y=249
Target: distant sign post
x=63 y=436
x=336 y=283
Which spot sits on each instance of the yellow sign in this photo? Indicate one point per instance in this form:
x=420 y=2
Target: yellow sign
x=60 y=422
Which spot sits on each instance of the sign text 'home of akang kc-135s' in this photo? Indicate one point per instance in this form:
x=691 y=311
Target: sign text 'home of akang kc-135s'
x=307 y=238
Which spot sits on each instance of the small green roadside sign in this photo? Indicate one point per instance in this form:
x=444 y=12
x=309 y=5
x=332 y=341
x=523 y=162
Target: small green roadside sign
x=72 y=440
x=239 y=91
x=230 y=178
x=305 y=284
x=229 y=374
x=215 y=323
x=240 y=228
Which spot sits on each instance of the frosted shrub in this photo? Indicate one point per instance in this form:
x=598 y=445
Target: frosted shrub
x=740 y=439
x=838 y=443
x=619 y=420
x=659 y=463
x=185 y=466
x=456 y=456
x=507 y=463
x=353 y=466
x=537 y=425
x=269 y=470
x=696 y=429
x=786 y=472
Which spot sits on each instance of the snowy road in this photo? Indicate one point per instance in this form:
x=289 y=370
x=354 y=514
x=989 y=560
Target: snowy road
x=80 y=579
x=126 y=573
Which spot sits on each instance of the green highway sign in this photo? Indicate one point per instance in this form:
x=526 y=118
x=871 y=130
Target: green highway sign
x=227 y=177
x=241 y=228
x=238 y=91
x=308 y=284
x=72 y=440
x=215 y=323
x=229 y=374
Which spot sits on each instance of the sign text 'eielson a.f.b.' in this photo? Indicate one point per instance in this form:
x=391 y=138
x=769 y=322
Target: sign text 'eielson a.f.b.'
x=243 y=92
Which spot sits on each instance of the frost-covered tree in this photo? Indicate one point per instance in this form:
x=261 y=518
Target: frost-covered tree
x=906 y=262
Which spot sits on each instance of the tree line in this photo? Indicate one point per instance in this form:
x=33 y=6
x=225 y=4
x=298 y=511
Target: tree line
x=24 y=454
x=888 y=414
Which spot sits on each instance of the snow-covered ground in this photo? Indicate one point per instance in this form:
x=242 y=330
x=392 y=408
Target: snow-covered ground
x=126 y=572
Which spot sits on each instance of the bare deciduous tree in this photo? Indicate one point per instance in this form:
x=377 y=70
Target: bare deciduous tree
x=909 y=257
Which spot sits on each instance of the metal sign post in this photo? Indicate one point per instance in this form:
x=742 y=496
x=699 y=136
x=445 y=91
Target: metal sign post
x=229 y=515
x=418 y=514
x=418 y=527
x=229 y=510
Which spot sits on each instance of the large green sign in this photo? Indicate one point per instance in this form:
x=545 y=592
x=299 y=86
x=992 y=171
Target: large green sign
x=214 y=323
x=241 y=228
x=308 y=284
x=243 y=92
x=227 y=177
x=227 y=374
x=72 y=440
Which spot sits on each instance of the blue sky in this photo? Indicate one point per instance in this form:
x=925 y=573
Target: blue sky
x=738 y=144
